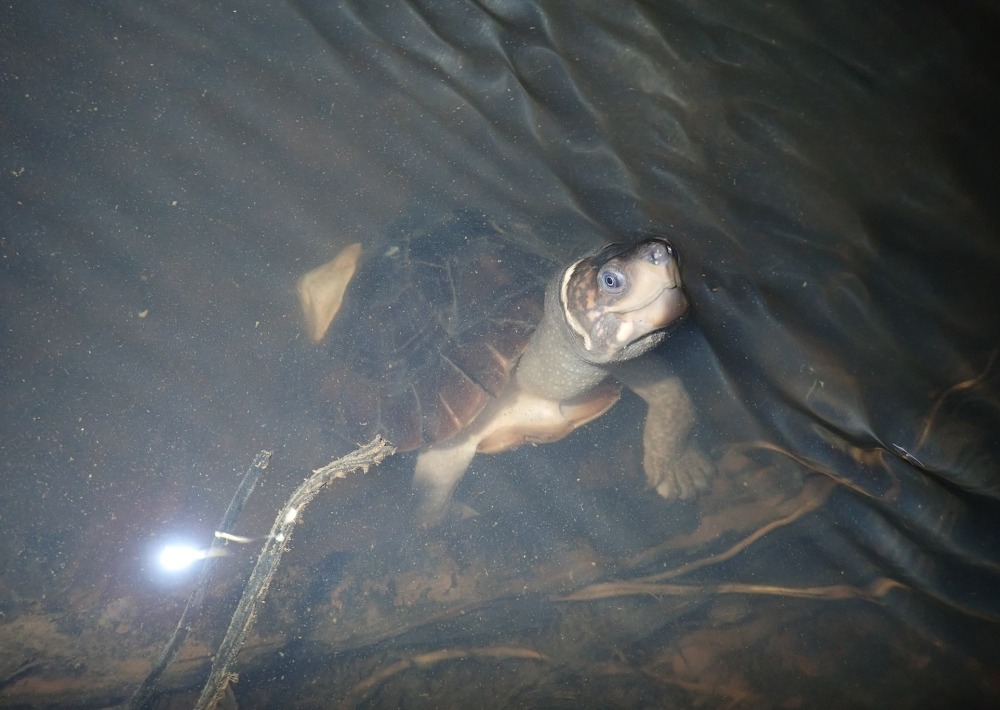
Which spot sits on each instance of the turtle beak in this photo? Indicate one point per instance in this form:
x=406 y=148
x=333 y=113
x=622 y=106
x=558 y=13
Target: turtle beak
x=660 y=255
x=656 y=299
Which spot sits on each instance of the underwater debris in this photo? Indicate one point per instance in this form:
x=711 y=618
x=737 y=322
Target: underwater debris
x=267 y=564
x=142 y=698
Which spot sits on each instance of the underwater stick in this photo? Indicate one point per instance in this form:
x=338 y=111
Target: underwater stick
x=267 y=564
x=141 y=699
x=423 y=660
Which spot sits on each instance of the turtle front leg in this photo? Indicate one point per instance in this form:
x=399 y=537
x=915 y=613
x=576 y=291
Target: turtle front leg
x=439 y=470
x=674 y=465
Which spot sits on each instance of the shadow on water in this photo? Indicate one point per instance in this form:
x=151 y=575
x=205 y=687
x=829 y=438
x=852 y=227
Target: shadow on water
x=828 y=176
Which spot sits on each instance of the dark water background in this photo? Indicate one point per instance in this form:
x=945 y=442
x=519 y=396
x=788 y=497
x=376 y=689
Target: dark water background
x=827 y=171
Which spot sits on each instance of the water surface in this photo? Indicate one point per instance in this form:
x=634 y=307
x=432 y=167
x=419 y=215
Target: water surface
x=828 y=176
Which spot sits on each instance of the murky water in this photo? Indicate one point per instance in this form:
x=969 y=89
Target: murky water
x=828 y=177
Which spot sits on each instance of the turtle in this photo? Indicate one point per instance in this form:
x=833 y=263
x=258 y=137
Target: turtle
x=465 y=337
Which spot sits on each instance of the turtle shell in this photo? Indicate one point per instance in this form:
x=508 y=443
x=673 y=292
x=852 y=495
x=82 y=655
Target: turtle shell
x=431 y=327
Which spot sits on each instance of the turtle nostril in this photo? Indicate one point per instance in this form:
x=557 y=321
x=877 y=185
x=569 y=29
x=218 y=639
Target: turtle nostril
x=659 y=252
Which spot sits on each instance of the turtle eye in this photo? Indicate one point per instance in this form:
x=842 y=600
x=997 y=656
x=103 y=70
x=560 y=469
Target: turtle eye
x=612 y=280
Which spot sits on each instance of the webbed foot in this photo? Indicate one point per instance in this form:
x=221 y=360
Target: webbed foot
x=675 y=466
x=677 y=474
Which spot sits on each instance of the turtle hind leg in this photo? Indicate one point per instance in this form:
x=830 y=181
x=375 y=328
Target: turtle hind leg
x=439 y=469
x=321 y=291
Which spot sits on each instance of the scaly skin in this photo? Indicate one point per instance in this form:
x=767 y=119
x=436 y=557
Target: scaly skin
x=600 y=314
x=674 y=465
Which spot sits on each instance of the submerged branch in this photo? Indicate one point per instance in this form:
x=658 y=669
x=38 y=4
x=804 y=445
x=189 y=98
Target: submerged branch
x=879 y=588
x=267 y=564
x=452 y=654
x=143 y=697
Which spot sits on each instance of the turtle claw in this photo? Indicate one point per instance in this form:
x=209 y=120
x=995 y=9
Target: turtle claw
x=682 y=477
x=675 y=467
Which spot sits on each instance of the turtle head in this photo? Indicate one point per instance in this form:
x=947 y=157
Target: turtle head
x=620 y=300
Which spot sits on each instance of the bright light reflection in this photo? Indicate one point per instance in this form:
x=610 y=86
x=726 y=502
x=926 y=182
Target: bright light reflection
x=174 y=558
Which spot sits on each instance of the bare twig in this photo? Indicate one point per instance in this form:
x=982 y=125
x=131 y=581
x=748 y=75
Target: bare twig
x=267 y=564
